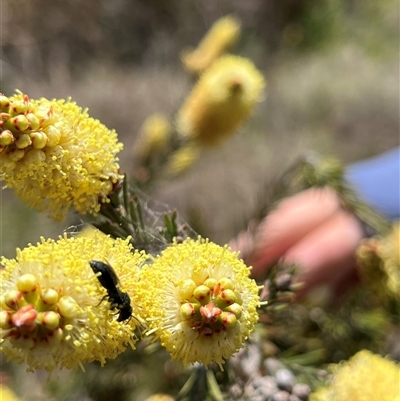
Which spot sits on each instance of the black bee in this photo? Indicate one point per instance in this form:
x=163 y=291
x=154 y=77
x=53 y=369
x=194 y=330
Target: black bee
x=109 y=280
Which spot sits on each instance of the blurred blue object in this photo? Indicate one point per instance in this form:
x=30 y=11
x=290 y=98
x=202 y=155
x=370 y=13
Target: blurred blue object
x=377 y=182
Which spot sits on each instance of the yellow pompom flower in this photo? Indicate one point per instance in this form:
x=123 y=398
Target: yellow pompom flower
x=219 y=39
x=53 y=155
x=199 y=301
x=379 y=263
x=53 y=310
x=364 y=377
x=153 y=137
x=221 y=101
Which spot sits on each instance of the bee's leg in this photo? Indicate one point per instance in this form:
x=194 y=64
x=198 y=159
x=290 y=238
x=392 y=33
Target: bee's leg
x=102 y=299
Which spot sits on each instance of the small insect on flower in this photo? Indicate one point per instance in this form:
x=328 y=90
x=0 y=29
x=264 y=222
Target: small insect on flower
x=109 y=280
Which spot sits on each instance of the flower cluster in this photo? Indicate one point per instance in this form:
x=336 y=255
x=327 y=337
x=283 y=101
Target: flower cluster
x=55 y=156
x=53 y=310
x=364 y=377
x=221 y=37
x=223 y=98
x=198 y=299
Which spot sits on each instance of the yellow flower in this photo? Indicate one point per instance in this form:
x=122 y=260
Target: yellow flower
x=153 y=137
x=379 y=262
x=199 y=301
x=53 y=155
x=182 y=159
x=224 y=97
x=53 y=310
x=6 y=394
x=159 y=397
x=222 y=36
x=365 y=377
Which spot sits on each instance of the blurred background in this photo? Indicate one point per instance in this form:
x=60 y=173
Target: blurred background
x=332 y=71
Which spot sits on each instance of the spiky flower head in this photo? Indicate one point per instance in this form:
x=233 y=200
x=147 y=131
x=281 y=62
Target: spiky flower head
x=364 y=377
x=219 y=39
x=221 y=101
x=199 y=301
x=53 y=155
x=379 y=263
x=53 y=310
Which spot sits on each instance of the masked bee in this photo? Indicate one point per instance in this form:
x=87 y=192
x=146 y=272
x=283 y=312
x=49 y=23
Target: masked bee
x=109 y=280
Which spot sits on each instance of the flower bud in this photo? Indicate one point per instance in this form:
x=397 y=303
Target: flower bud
x=236 y=309
x=68 y=307
x=20 y=123
x=39 y=139
x=18 y=107
x=34 y=122
x=226 y=283
x=49 y=296
x=27 y=283
x=187 y=289
x=225 y=298
x=23 y=141
x=6 y=138
x=13 y=299
x=210 y=283
x=202 y=293
x=4 y=103
x=187 y=310
x=50 y=320
x=228 y=319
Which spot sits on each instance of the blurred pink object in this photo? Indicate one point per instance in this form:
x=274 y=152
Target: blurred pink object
x=309 y=229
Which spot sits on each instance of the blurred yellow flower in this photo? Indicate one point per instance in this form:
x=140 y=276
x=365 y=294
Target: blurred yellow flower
x=6 y=394
x=53 y=155
x=219 y=39
x=182 y=159
x=365 y=377
x=224 y=97
x=152 y=139
x=379 y=263
x=159 y=397
x=199 y=301
x=53 y=310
